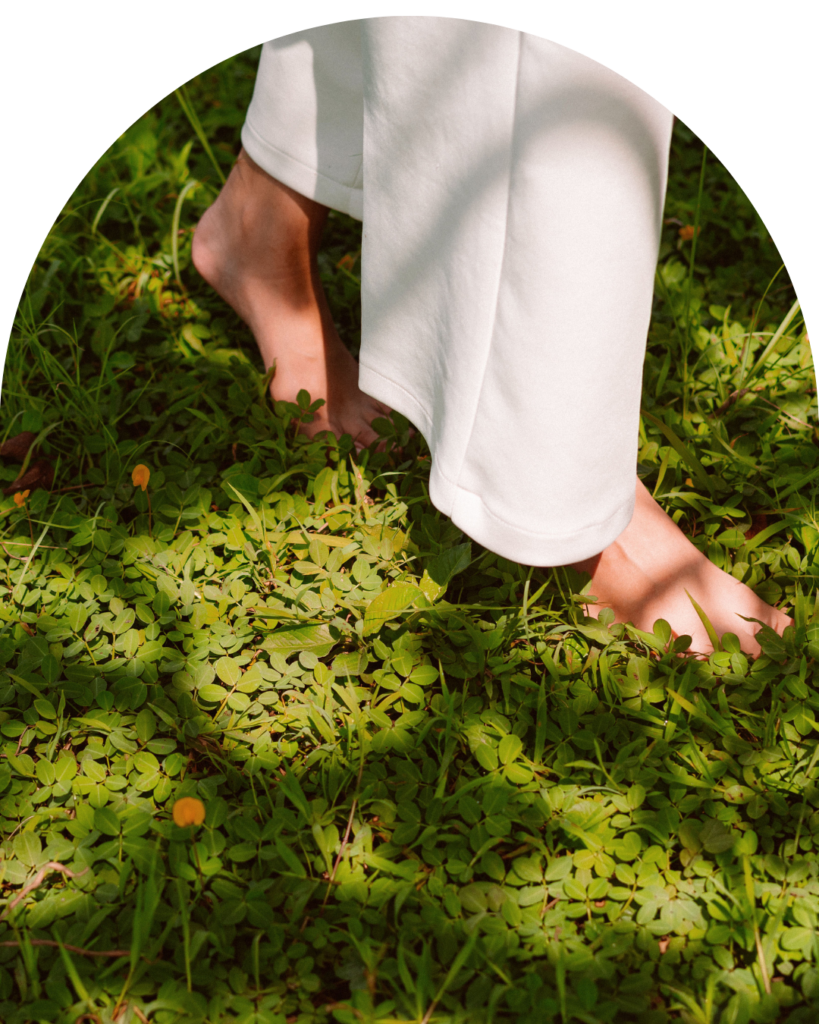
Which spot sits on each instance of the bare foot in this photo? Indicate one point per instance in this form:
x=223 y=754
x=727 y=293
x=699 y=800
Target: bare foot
x=644 y=575
x=257 y=246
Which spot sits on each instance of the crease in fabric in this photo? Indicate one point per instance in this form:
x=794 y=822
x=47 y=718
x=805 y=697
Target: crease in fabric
x=501 y=264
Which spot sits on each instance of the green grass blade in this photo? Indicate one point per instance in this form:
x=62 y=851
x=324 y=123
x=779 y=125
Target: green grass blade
x=196 y=124
x=747 y=349
x=697 y=212
x=798 y=485
x=691 y=460
x=184 y=915
x=33 y=552
x=291 y=786
x=709 y=629
x=103 y=207
x=784 y=325
x=254 y=515
x=456 y=965
x=660 y=280
x=73 y=974
x=765 y=534
x=177 y=212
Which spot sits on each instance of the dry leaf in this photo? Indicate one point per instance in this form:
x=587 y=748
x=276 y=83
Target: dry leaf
x=40 y=474
x=757 y=525
x=17 y=447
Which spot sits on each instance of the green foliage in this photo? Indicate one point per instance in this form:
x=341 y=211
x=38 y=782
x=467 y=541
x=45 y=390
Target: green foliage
x=433 y=789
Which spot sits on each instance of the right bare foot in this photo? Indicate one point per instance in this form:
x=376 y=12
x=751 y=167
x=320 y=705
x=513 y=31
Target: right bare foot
x=650 y=570
x=257 y=246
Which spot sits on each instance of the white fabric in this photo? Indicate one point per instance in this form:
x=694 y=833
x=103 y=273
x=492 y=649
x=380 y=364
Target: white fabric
x=305 y=123
x=512 y=209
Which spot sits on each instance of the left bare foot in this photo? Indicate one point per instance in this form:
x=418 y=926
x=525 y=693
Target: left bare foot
x=257 y=247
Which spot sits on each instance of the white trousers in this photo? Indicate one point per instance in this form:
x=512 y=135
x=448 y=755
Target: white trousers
x=511 y=192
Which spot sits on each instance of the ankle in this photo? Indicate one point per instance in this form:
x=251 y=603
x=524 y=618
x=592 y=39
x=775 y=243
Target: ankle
x=587 y=565
x=268 y=215
x=260 y=234
x=205 y=248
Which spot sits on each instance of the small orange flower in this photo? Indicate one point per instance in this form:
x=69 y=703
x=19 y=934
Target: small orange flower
x=686 y=232
x=20 y=498
x=188 y=811
x=140 y=476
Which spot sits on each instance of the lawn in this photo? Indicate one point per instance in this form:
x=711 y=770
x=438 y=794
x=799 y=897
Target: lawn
x=432 y=789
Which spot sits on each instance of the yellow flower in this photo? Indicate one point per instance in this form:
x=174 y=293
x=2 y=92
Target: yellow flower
x=20 y=497
x=188 y=811
x=140 y=476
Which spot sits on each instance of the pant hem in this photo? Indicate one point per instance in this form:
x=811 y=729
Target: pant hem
x=305 y=180
x=471 y=514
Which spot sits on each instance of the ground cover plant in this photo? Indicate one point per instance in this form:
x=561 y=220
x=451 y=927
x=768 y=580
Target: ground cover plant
x=279 y=744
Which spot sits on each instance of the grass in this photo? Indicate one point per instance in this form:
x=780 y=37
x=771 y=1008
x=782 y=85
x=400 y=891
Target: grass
x=432 y=790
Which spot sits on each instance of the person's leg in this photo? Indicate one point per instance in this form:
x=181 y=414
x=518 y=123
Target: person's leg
x=513 y=205
x=257 y=244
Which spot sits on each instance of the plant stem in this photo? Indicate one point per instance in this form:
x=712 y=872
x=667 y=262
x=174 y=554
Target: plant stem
x=686 y=320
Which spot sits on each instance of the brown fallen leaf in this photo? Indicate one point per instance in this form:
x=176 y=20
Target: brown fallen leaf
x=17 y=447
x=758 y=524
x=39 y=474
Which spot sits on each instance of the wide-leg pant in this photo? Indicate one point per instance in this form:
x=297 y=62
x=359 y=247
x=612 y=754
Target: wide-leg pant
x=511 y=192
